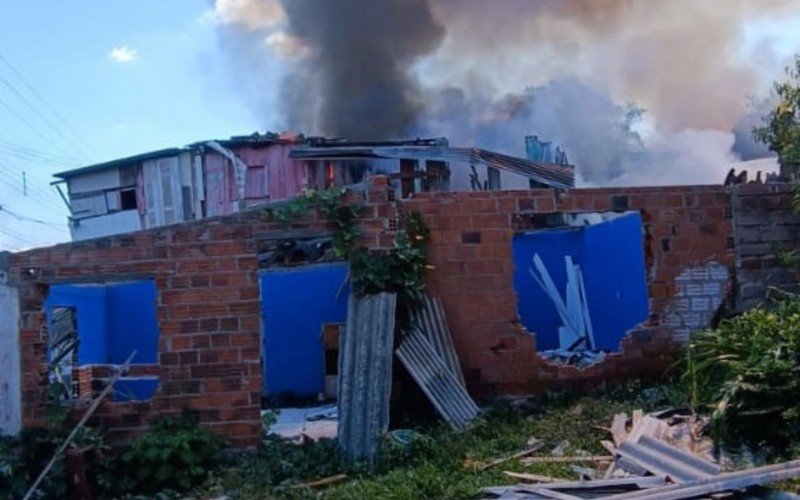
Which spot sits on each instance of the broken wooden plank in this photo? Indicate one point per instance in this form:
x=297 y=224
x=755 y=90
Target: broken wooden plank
x=534 y=478
x=722 y=482
x=609 y=446
x=618 y=431
x=587 y=458
x=89 y=412
x=646 y=426
x=325 y=481
x=524 y=453
x=636 y=417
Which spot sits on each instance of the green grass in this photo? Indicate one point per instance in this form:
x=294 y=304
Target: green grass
x=434 y=467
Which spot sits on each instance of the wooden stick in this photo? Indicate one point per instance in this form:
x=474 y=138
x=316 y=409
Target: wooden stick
x=536 y=478
x=533 y=449
x=95 y=404
x=325 y=481
x=587 y=458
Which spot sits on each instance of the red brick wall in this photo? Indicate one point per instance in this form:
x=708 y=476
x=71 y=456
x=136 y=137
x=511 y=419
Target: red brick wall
x=206 y=274
x=208 y=311
x=472 y=255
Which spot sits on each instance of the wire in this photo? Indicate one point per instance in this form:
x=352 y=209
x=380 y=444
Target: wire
x=25 y=121
x=22 y=237
x=23 y=218
x=47 y=105
x=44 y=119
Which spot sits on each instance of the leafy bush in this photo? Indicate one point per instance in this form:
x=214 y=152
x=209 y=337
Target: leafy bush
x=175 y=454
x=748 y=368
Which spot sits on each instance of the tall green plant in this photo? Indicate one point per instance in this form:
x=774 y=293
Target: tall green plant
x=749 y=369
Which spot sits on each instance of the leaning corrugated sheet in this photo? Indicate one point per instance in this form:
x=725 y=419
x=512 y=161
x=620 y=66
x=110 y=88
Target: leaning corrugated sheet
x=436 y=380
x=430 y=319
x=365 y=375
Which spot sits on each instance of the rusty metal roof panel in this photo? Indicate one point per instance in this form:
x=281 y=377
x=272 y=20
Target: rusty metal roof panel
x=549 y=174
x=365 y=375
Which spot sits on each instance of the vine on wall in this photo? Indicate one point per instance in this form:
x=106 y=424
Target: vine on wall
x=397 y=270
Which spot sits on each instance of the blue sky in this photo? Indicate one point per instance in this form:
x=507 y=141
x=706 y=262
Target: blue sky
x=170 y=90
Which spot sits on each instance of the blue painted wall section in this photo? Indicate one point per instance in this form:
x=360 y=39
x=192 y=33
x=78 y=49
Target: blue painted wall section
x=113 y=320
x=611 y=258
x=295 y=303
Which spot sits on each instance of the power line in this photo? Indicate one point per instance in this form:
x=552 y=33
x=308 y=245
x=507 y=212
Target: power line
x=47 y=105
x=25 y=121
x=38 y=113
x=22 y=237
x=23 y=218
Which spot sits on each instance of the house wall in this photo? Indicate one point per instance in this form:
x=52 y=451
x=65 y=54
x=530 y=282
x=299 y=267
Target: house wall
x=208 y=308
x=206 y=276
x=10 y=396
x=765 y=227
x=126 y=221
x=685 y=228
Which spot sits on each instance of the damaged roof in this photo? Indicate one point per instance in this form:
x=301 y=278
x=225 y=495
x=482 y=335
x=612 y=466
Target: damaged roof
x=549 y=174
x=121 y=162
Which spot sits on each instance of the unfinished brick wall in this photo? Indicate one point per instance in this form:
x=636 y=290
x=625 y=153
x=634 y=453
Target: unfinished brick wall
x=208 y=311
x=687 y=228
x=764 y=227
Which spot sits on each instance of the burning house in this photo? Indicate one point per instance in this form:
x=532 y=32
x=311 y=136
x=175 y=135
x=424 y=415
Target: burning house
x=212 y=178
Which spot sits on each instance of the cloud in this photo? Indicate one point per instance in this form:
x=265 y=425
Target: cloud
x=122 y=54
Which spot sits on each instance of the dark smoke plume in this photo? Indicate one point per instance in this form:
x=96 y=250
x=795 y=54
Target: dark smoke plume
x=357 y=71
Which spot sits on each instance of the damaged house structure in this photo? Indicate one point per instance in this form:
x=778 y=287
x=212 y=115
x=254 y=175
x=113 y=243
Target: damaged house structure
x=213 y=178
x=220 y=329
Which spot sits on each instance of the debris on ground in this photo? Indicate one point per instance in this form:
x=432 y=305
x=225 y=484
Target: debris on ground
x=575 y=337
x=663 y=455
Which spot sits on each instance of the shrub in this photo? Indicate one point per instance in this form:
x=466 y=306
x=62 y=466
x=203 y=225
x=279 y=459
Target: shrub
x=175 y=454
x=748 y=368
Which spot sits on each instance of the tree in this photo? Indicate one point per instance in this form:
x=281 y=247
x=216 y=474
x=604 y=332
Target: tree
x=782 y=130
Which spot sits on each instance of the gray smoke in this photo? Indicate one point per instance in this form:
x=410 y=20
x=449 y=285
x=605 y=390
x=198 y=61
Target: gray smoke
x=389 y=69
x=357 y=73
x=745 y=145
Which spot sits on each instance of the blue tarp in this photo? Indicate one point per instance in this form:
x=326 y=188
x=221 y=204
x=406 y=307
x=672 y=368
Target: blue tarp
x=611 y=257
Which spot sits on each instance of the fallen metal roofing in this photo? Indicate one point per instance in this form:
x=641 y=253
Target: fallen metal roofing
x=658 y=457
x=365 y=375
x=430 y=320
x=436 y=380
x=550 y=174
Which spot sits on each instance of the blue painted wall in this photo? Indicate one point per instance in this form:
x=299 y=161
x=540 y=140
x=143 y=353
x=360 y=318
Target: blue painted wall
x=89 y=302
x=611 y=258
x=132 y=322
x=112 y=320
x=295 y=303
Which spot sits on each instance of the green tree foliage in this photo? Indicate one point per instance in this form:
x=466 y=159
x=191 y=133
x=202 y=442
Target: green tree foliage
x=782 y=130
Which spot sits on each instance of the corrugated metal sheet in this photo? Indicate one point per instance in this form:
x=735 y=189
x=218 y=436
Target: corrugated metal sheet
x=365 y=375
x=659 y=457
x=436 y=380
x=431 y=321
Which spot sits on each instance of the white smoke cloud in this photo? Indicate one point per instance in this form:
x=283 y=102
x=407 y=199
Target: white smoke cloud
x=696 y=67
